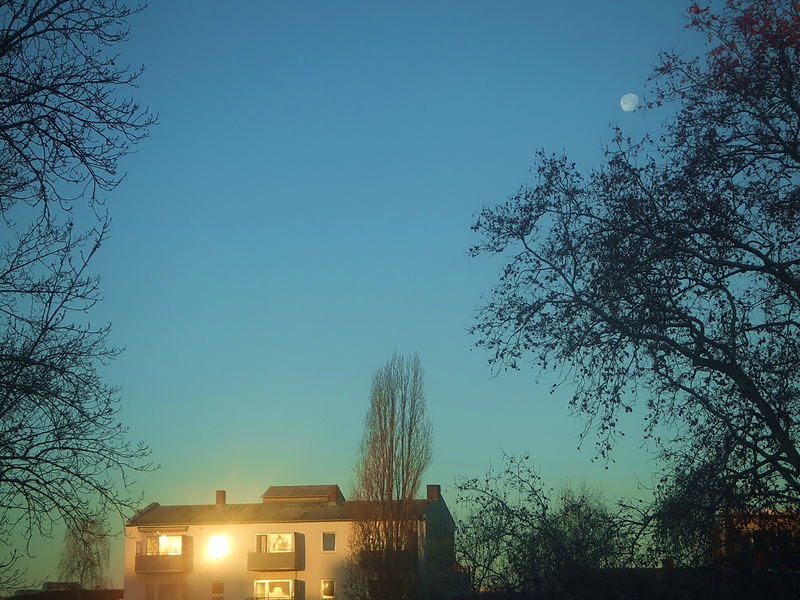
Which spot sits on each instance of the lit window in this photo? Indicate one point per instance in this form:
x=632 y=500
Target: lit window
x=280 y=542
x=169 y=544
x=270 y=590
x=328 y=589
x=328 y=542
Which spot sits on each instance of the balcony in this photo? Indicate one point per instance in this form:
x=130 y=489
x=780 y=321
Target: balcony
x=278 y=552
x=274 y=561
x=163 y=562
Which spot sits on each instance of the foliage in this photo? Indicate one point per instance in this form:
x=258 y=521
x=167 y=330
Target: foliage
x=669 y=275
x=63 y=129
x=85 y=555
x=519 y=537
x=395 y=451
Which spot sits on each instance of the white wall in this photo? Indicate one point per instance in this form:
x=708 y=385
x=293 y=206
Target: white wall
x=232 y=569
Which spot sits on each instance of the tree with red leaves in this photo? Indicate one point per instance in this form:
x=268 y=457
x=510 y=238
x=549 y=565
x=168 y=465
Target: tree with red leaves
x=740 y=107
x=669 y=277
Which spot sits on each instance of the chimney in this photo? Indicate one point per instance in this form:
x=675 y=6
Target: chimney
x=434 y=491
x=220 y=497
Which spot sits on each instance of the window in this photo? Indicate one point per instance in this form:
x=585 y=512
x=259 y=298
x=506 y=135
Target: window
x=217 y=591
x=166 y=544
x=280 y=542
x=168 y=591
x=328 y=542
x=270 y=590
x=169 y=544
x=151 y=546
x=275 y=542
x=161 y=591
x=328 y=589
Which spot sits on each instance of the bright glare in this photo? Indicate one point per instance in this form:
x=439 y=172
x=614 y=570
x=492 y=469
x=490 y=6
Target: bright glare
x=169 y=544
x=218 y=546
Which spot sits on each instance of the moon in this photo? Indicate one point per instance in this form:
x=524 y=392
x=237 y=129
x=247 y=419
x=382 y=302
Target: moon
x=629 y=102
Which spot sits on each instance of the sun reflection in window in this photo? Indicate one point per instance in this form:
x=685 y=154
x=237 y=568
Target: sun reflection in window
x=169 y=544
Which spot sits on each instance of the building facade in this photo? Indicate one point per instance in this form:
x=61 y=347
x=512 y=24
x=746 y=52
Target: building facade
x=757 y=540
x=291 y=546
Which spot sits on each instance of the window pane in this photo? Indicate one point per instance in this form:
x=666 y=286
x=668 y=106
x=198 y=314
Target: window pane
x=169 y=544
x=152 y=545
x=328 y=588
x=167 y=591
x=281 y=542
x=329 y=542
x=261 y=589
x=279 y=589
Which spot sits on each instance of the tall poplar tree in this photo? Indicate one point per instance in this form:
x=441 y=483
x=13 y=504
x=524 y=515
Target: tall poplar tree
x=395 y=451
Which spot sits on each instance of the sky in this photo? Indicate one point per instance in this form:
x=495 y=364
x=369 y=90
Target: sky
x=303 y=210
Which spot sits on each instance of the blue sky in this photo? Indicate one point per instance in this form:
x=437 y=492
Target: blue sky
x=304 y=208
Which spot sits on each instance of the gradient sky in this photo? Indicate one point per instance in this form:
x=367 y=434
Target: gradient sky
x=304 y=209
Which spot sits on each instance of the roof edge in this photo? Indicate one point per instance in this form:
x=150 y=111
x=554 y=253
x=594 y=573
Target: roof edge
x=144 y=511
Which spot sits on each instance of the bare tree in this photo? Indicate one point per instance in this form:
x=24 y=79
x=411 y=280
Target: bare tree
x=516 y=536
x=64 y=125
x=668 y=277
x=85 y=555
x=395 y=451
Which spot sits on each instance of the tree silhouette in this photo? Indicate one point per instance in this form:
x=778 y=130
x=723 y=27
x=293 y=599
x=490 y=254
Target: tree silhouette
x=85 y=555
x=395 y=451
x=668 y=276
x=516 y=536
x=64 y=125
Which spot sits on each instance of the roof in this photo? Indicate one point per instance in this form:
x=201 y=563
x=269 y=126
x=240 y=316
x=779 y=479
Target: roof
x=275 y=511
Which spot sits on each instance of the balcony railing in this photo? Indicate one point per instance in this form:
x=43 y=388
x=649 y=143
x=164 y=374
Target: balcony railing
x=274 y=561
x=163 y=563
x=167 y=563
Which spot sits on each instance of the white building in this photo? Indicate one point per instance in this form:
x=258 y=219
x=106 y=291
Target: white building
x=292 y=545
